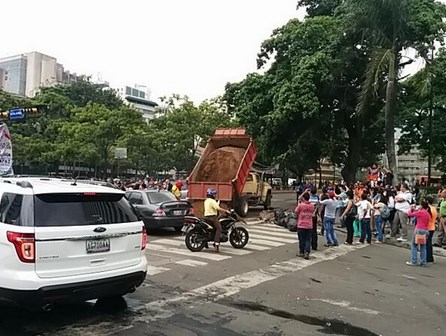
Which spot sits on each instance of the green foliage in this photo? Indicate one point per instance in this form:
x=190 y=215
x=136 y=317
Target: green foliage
x=416 y=108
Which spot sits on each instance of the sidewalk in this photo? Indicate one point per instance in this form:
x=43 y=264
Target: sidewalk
x=392 y=241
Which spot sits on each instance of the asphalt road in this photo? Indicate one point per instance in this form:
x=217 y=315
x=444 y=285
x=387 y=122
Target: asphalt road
x=263 y=289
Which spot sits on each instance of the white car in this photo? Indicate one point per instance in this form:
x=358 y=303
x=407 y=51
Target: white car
x=67 y=242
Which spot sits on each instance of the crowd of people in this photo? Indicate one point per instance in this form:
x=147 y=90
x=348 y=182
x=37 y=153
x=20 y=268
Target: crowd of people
x=149 y=183
x=371 y=212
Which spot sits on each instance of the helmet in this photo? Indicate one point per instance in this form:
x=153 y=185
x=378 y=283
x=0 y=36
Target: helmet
x=211 y=192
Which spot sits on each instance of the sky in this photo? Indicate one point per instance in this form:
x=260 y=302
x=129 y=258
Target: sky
x=187 y=47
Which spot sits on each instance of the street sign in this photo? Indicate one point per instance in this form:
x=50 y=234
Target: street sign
x=121 y=153
x=16 y=114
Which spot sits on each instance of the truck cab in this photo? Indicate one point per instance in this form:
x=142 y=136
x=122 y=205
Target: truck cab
x=256 y=192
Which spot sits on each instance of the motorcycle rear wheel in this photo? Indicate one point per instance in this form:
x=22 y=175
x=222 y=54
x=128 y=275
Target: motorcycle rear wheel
x=191 y=241
x=239 y=237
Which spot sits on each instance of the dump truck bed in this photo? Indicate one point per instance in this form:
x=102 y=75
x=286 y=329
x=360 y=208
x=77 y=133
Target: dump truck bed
x=224 y=165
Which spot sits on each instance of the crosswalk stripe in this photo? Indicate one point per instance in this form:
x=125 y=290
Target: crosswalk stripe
x=190 y=262
x=271 y=227
x=278 y=239
x=266 y=242
x=153 y=270
x=170 y=242
x=256 y=247
x=203 y=255
x=233 y=251
x=223 y=249
x=277 y=234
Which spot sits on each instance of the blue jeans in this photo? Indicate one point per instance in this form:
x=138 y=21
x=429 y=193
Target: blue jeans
x=422 y=248
x=329 y=231
x=366 y=230
x=379 y=228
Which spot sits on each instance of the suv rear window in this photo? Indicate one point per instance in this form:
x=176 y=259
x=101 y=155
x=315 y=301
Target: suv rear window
x=82 y=209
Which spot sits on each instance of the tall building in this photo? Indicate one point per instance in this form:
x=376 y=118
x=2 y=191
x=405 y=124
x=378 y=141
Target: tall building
x=14 y=72
x=139 y=98
x=412 y=165
x=25 y=74
x=2 y=79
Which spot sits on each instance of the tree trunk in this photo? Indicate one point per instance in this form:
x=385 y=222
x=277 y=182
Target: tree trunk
x=354 y=153
x=390 y=116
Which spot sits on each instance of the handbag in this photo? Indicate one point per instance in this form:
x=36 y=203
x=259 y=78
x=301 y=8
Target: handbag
x=420 y=239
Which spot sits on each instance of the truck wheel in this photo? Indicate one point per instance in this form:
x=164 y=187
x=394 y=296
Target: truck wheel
x=242 y=207
x=267 y=203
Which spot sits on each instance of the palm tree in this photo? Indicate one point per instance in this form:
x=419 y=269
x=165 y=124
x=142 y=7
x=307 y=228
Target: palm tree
x=384 y=26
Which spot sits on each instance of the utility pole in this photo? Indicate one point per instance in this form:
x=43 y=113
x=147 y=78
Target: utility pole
x=431 y=112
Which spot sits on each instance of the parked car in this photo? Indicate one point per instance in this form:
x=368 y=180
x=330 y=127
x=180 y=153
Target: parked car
x=159 y=208
x=69 y=242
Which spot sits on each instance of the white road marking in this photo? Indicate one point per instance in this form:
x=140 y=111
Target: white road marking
x=221 y=289
x=265 y=242
x=234 y=284
x=276 y=234
x=271 y=227
x=190 y=262
x=153 y=270
x=346 y=304
x=203 y=255
x=278 y=239
x=171 y=242
x=230 y=250
x=254 y=247
x=255 y=222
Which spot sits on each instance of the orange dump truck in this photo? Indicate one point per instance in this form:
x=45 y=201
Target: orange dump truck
x=225 y=165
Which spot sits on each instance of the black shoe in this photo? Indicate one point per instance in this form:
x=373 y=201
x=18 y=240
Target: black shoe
x=206 y=245
x=436 y=245
x=307 y=255
x=299 y=254
x=314 y=248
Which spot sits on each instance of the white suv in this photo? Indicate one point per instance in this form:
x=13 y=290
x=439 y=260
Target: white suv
x=62 y=241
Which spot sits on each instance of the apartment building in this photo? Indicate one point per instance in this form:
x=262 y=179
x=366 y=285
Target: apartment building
x=25 y=74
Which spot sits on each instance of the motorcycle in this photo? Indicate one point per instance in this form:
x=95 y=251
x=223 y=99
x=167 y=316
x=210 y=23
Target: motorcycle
x=199 y=232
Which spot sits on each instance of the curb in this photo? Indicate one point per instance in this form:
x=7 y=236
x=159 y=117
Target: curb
x=437 y=251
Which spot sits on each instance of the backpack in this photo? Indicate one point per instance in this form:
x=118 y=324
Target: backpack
x=385 y=213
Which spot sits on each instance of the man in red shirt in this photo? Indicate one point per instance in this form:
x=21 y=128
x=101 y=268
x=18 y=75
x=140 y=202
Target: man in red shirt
x=304 y=212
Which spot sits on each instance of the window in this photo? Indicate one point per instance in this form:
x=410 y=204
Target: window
x=128 y=90
x=135 y=198
x=80 y=209
x=16 y=209
x=160 y=197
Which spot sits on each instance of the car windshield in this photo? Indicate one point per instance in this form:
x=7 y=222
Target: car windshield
x=160 y=197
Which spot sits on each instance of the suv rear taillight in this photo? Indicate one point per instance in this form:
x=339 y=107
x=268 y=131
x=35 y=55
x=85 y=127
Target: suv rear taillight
x=24 y=245
x=144 y=238
x=159 y=213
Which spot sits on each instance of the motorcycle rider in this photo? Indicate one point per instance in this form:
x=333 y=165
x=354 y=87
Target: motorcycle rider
x=211 y=209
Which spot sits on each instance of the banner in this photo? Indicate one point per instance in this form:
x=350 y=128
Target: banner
x=5 y=150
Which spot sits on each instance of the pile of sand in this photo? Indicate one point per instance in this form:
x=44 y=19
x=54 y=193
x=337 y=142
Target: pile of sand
x=221 y=165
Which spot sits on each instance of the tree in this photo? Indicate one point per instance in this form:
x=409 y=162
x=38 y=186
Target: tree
x=427 y=84
x=303 y=108
x=391 y=27
x=185 y=127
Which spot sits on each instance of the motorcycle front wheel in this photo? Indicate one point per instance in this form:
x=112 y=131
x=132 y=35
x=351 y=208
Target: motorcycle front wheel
x=239 y=237
x=192 y=241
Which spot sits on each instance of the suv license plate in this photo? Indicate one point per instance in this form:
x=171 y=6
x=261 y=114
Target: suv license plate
x=178 y=212
x=99 y=245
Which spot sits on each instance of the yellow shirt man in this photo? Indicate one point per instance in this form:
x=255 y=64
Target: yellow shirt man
x=211 y=207
x=176 y=191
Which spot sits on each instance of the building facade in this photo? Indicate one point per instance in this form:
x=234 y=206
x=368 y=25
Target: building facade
x=25 y=74
x=139 y=98
x=14 y=74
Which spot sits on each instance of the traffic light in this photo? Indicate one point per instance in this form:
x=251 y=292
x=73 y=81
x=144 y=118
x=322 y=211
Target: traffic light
x=20 y=114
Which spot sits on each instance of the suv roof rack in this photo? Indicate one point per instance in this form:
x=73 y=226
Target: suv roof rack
x=24 y=184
